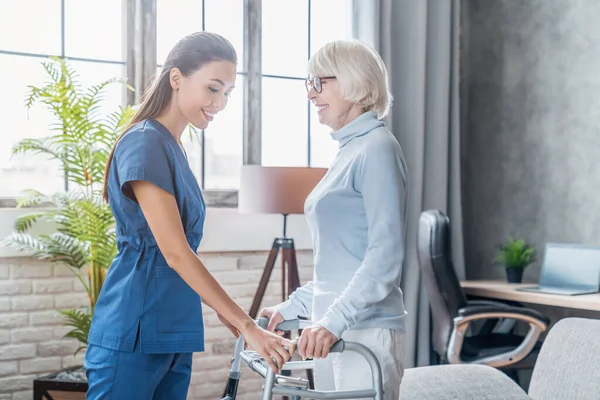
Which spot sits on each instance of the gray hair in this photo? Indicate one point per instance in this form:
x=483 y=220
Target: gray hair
x=360 y=71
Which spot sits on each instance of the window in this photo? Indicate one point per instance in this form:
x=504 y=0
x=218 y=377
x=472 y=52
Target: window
x=291 y=133
x=215 y=154
x=323 y=29
x=90 y=35
x=291 y=33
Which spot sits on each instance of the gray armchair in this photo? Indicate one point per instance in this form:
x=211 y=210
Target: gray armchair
x=566 y=369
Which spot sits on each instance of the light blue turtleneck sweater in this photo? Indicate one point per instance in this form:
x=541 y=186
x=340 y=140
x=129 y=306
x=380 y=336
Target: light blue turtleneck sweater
x=356 y=215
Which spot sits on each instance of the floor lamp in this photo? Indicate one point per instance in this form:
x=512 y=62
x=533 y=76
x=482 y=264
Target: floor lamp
x=277 y=190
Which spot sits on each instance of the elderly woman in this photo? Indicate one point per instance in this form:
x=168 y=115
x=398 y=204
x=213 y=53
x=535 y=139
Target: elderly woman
x=356 y=215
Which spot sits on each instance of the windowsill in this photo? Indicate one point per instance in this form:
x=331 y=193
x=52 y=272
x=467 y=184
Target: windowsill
x=217 y=198
x=225 y=230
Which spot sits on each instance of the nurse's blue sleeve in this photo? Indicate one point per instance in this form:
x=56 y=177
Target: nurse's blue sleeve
x=381 y=181
x=143 y=156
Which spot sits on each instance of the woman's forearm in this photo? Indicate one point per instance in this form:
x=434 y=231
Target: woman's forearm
x=194 y=273
x=161 y=212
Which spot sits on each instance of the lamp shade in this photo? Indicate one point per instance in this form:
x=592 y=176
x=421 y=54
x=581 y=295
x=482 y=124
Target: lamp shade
x=276 y=190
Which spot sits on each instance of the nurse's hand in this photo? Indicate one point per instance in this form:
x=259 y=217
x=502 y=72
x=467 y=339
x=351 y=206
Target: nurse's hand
x=315 y=342
x=275 y=318
x=275 y=349
x=232 y=328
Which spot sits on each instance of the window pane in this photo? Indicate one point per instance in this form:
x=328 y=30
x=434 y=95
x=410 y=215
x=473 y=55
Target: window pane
x=223 y=144
x=31 y=26
x=29 y=171
x=324 y=28
x=322 y=147
x=191 y=140
x=284 y=123
x=94 y=29
x=284 y=37
x=24 y=171
x=175 y=19
x=226 y=17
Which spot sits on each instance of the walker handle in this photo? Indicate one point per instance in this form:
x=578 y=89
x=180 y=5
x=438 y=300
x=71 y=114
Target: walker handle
x=294 y=324
x=288 y=325
x=338 y=347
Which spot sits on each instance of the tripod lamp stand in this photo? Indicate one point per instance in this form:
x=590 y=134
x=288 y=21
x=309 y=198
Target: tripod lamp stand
x=277 y=190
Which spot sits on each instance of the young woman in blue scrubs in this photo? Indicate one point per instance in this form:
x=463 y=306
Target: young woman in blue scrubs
x=148 y=319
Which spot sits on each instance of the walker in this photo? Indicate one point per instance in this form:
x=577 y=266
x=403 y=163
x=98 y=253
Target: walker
x=295 y=387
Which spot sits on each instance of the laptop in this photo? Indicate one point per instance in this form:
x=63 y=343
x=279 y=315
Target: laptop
x=569 y=269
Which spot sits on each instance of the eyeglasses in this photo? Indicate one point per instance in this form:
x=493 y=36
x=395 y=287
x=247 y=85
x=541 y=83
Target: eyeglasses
x=316 y=83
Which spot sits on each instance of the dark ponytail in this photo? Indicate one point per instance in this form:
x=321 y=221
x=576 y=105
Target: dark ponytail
x=189 y=54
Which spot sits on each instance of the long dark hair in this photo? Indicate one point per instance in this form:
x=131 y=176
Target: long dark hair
x=189 y=54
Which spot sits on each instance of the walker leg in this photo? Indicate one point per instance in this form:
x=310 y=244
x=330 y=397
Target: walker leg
x=269 y=382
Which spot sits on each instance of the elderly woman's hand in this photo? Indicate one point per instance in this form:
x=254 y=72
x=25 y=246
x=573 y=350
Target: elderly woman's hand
x=274 y=317
x=315 y=342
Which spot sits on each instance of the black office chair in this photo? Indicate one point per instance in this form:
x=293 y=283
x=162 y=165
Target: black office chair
x=454 y=318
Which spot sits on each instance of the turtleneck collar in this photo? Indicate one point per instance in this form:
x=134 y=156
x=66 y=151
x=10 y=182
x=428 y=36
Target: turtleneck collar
x=361 y=125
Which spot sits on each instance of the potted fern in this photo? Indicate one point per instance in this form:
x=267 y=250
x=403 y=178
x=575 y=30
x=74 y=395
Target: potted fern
x=83 y=236
x=515 y=255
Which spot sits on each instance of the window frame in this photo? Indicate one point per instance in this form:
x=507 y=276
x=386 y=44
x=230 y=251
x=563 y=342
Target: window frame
x=252 y=98
x=11 y=202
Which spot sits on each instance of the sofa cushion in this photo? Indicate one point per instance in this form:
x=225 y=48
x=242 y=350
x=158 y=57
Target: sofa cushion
x=459 y=382
x=568 y=366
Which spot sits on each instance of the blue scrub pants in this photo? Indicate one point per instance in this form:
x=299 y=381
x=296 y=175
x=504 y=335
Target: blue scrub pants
x=134 y=375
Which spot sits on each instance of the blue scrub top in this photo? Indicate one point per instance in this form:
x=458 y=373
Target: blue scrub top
x=141 y=292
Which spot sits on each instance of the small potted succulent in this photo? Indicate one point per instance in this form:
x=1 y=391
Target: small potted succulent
x=515 y=255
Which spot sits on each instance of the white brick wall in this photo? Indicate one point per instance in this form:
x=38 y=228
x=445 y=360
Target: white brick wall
x=31 y=331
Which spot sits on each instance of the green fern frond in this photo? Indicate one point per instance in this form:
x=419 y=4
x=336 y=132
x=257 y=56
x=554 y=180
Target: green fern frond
x=30 y=198
x=25 y=243
x=62 y=248
x=31 y=97
x=80 y=321
x=24 y=222
x=34 y=146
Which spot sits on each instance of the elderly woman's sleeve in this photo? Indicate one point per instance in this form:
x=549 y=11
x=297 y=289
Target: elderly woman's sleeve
x=381 y=179
x=299 y=303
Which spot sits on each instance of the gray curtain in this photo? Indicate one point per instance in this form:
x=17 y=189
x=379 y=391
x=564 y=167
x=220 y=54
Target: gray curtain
x=418 y=40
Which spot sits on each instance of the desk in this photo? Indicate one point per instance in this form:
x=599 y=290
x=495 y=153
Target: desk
x=507 y=291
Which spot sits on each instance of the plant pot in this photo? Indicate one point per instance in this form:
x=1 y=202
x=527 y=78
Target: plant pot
x=514 y=275
x=66 y=384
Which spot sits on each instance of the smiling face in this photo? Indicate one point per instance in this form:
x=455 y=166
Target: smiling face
x=205 y=92
x=333 y=110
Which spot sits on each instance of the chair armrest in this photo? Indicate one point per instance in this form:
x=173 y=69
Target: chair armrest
x=498 y=325
x=537 y=324
x=486 y=302
x=520 y=313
